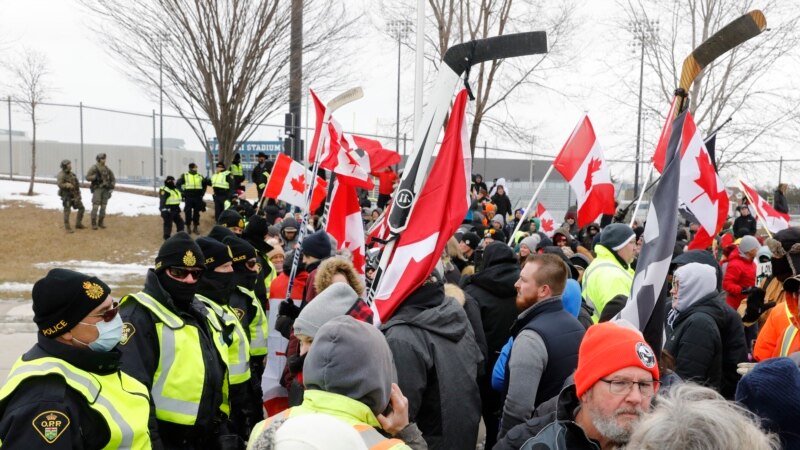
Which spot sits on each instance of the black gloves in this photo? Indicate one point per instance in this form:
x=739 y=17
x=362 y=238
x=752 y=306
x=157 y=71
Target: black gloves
x=286 y=315
x=755 y=305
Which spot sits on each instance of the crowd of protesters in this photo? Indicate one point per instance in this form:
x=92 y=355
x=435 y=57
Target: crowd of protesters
x=516 y=330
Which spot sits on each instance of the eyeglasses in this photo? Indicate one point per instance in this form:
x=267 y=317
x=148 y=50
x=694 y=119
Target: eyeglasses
x=181 y=272
x=109 y=314
x=624 y=387
x=252 y=264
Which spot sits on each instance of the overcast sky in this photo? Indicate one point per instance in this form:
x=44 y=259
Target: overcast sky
x=81 y=71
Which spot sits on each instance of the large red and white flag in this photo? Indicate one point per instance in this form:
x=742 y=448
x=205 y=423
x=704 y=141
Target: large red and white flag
x=351 y=157
x=345 y=223
x=701 y=189
x=288 y=182
x=547 y=224
x=582 y=164
x=774 y=220
x=442 y=204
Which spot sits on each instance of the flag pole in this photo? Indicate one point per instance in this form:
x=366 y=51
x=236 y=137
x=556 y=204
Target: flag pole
x=530 y=203
x=758 y=214
x=641 y=194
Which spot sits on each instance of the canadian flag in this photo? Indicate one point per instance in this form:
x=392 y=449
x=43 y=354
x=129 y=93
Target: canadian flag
x=701 y=188
x=445 y=193
x=345 y=223
x=288 y=183
x=379 y=232
x=351 y=157
x=547 y=222
x=582 y=164
x=774 y=221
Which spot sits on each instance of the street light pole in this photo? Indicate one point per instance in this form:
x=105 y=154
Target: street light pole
x=643 y=30
x=399 y=28
x=161 y=104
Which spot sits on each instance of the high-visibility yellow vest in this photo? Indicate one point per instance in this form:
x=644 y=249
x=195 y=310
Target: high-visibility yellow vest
x=120 y=399
x=239 y=348
x=258 y=326
x=192 y=181
x=174 y=196
x=180 y=375
x=236 y=170
x=220 y=180
x=272 y=274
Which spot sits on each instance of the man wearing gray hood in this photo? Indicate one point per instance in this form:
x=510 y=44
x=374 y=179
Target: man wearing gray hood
x=349 y=374
x=695 y=341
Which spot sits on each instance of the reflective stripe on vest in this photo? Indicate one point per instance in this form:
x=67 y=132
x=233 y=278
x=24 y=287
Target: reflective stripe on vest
x=236 y=170
x=789 y=334
x=258 y=326
x=238 y=352
x=192 y=181
x=180 y=376
x=103 y=393
x=174 y=196
x=220 y=180
x=218 y=337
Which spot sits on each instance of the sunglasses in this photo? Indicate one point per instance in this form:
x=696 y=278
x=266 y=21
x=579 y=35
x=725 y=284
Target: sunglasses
x=252 y=264
x=181 y=272
x=109 y=314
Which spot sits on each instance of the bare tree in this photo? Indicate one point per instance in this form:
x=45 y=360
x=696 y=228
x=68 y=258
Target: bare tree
x=29 y=87
x=224 y=62
x=495 y=83
x=746 y=83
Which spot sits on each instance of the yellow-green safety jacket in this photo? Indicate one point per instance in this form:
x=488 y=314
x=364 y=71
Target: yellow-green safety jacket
x=238 y=357
x=604 y=279
x=258 y=329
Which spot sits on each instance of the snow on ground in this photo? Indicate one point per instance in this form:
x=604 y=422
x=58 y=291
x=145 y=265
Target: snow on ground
x=15 y=287
x=107 y=272
x=121 y=203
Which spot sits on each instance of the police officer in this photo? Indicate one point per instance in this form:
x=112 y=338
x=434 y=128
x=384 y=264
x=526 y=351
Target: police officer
x=168 y=344
x=70 y=192
x=193 y=185
x=237 y=173
x=260 y=174
x=221 y=182
x=214 y=290
x=67 y=391
x=170 y=205
x=102 y=183
x=247 y=306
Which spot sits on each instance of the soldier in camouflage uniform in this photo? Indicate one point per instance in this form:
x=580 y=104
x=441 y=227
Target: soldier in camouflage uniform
x=103 y=182
x=70 y=193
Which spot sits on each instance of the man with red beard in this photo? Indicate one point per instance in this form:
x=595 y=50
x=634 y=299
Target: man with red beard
x=616 y=380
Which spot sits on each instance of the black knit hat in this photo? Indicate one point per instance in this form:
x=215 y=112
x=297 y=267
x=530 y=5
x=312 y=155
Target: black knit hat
x=256 y=228
x=317 y=245
x=240 y=249
x=179 y=251
x=471 y=239
x=216 y=252
x=230 y=218
x=63 y=298
x=219 y=233
x=616 y=235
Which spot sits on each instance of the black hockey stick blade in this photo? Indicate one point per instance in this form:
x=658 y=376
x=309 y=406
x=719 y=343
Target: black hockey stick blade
x=460 y=57
x=735 y=33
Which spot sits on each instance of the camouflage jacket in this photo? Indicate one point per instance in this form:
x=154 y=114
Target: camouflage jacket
x=101 y=177
x=68 y=186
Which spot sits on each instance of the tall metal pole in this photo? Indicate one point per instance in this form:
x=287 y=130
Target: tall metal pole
x=161 y=103
x=155 y=163
x=296 y=74
x=484 y=161
x=80 y=108
x=10 y=146
x=780 y=170
x=397 y=123
x=419 y=61
x=639 y=123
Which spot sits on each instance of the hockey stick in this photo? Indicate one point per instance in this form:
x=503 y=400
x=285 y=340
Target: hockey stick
x=458 y=59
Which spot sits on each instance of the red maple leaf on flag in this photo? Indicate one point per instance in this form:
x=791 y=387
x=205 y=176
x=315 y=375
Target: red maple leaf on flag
x=708 y=175
x=299 y=183
x=594 y=166
x=547 y=225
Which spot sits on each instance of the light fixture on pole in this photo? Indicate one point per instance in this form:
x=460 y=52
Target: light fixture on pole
x=398 y=29
x=644 y=31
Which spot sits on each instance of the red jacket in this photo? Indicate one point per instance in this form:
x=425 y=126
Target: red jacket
x=386 y=182
x=740 y=274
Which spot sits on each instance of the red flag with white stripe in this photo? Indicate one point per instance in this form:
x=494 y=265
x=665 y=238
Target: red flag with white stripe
x=774 y=220
x=288 y=182
x=582 y=164
x=345 y=223
x=701 y=189
x=547 y=224
x=442 y=204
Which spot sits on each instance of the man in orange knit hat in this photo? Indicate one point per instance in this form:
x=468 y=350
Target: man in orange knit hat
x=616 y=379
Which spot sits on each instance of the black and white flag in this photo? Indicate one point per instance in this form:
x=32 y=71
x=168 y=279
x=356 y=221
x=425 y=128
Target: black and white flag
x=658 y=242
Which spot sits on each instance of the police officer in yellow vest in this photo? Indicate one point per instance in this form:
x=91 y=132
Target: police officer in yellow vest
x=214 y=290
x=193 y=185
x=221 y=182
x=67 y=391
x=169 y=203
x=248 y=308
x=237 y=173
x=168 y=343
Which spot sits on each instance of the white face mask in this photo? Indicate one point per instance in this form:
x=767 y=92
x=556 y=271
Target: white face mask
x=108 y=334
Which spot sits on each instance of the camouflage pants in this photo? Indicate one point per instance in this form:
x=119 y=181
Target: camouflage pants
x=100 y=198
x=70 y=204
